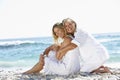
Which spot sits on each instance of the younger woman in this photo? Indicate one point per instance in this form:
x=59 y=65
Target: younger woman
x=59 y=63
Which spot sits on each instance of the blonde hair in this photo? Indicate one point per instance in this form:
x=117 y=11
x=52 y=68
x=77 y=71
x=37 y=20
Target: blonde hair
x=60 y=26
x=69 y=20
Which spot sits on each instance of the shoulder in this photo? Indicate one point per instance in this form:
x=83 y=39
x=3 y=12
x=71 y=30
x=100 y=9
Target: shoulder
x=84 y=34
x=81 y=31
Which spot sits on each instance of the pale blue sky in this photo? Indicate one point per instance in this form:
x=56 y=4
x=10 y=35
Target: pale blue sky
x=35 y=18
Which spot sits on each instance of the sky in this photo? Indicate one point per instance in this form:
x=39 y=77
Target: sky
x=35 y=18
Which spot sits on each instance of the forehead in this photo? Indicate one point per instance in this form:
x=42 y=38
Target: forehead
x=68 y=22
x=57 y=28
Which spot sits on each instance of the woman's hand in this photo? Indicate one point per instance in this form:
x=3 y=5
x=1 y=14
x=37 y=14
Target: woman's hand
x=60 y=54
x=55 y=47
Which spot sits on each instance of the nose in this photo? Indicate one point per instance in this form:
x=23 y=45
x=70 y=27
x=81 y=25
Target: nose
x=66 y=26
x=58 y=33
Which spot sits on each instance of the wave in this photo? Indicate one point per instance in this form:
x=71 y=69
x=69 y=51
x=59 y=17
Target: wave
x=107 y=35
x=109 y=40
x=9 y=44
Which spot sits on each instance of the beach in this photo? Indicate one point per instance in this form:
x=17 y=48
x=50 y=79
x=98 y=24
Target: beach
x=19 y=55
x=16 y=74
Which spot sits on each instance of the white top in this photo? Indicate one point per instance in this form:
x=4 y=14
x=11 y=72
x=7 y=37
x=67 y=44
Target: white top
x=93 y=54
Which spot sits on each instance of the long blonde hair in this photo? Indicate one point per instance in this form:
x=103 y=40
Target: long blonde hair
x=60 y=26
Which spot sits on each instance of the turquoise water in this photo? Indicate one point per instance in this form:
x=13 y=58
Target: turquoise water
x=24 y=52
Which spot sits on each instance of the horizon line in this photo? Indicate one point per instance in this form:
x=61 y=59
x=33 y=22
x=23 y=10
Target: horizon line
x=51 y=36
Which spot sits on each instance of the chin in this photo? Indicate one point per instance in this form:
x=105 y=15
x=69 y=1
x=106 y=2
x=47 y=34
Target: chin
x=70 y=32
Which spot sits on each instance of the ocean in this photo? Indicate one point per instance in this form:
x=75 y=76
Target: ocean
x=24 y=52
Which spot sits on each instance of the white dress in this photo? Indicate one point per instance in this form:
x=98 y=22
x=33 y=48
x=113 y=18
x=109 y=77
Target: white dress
x=68 y=65
x=92 y=53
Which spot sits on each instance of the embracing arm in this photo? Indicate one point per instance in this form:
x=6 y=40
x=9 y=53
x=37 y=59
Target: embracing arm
x=66 y=46
x=64 y=50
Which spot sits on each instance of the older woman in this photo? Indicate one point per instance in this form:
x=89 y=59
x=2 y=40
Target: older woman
x=93 y=54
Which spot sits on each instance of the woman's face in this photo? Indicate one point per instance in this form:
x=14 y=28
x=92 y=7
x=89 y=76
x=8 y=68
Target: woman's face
x=59 y=32
x=69 y=27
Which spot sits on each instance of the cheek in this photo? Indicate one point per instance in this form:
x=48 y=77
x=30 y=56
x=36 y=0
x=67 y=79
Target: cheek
x=73 y=29
x=67 y=28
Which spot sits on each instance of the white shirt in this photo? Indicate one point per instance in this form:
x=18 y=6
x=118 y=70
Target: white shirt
x=91 y=50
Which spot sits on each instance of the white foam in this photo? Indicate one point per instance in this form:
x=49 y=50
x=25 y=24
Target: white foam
x=15 y=42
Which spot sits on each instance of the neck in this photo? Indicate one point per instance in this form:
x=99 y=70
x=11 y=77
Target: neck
x=71 y=34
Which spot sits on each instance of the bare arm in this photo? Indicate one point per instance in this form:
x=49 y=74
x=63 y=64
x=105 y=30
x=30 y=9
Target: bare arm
x=47 y=50
x=64 y=50
x=66 y=46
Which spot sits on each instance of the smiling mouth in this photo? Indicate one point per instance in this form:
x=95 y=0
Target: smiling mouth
x=69 y=29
